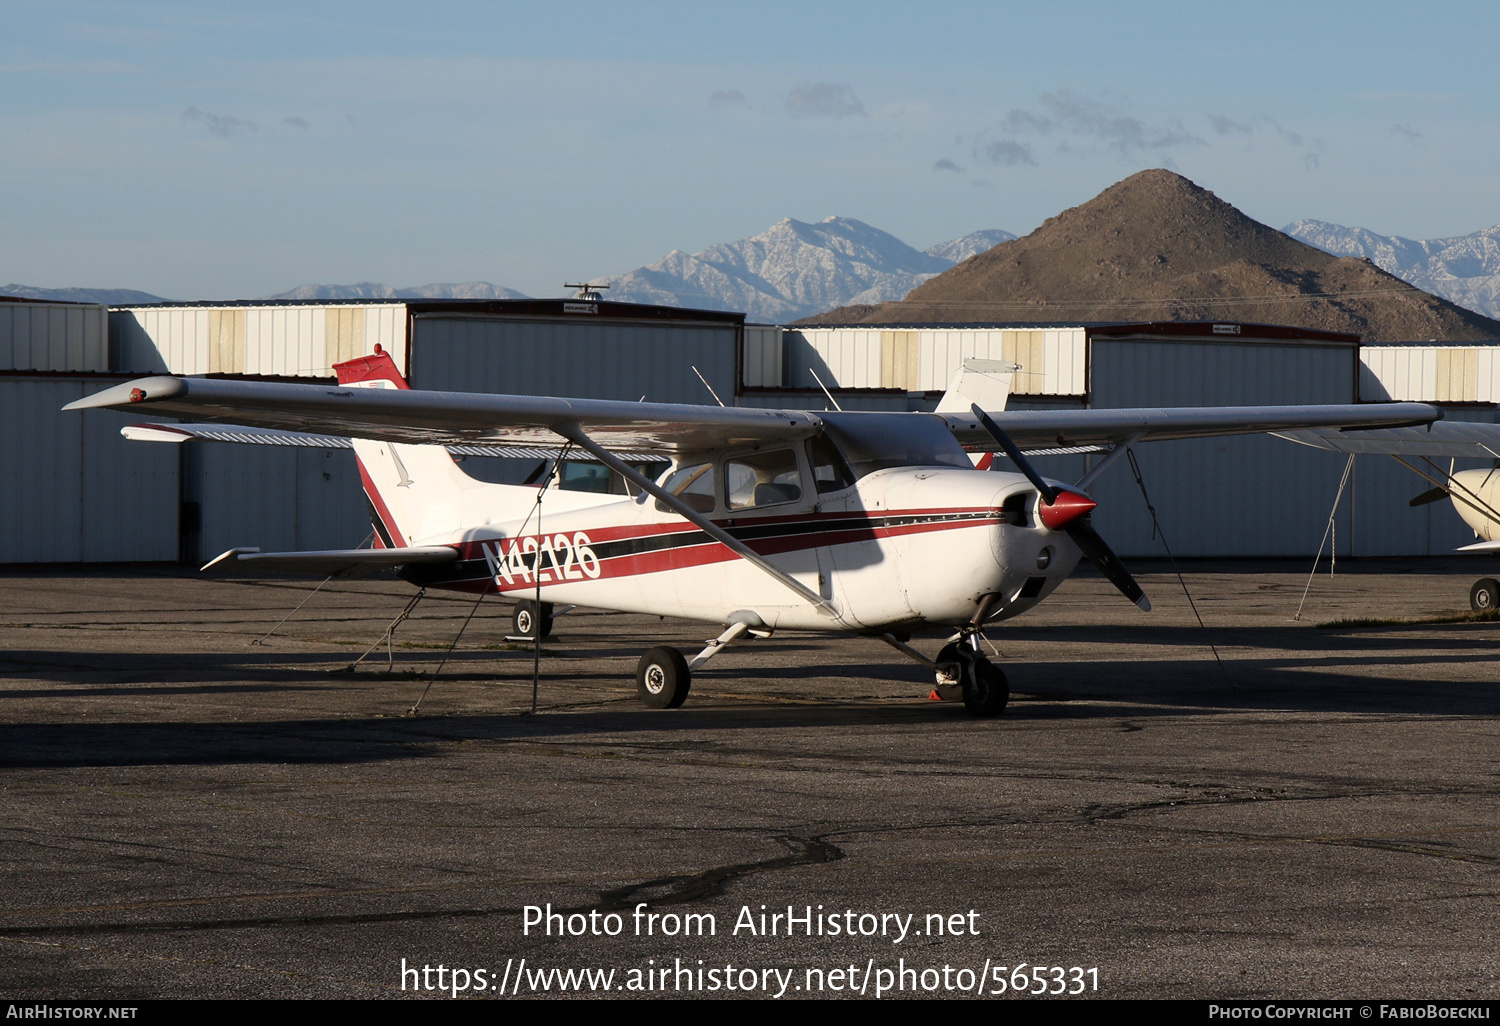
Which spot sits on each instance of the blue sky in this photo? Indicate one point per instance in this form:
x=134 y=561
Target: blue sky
x=233 y=150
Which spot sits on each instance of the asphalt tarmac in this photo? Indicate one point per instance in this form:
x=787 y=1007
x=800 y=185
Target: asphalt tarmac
x=1259 y=808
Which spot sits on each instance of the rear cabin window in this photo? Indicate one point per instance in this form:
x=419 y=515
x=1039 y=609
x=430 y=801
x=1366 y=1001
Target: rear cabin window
x=830 y=472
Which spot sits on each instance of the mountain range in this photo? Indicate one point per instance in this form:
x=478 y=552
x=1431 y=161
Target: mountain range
x=109 y=297
x=375 y=290
x=1157 y=247
x=791 y=270
x=1463 y=268
x=794 y=269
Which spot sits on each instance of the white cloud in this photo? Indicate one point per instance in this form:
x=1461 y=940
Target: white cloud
x=224 y=125
x=824 y=100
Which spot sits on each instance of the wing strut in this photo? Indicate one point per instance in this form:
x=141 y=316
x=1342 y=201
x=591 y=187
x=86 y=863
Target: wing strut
x=575 y=434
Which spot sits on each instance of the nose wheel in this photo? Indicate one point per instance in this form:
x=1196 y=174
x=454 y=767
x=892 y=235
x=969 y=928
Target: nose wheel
x=1484 y=597
x=960 y=664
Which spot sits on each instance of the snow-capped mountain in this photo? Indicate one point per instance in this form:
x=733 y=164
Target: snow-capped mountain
x=795 y=269
x=375 y=290
x=956 y=251
x=1464 y=269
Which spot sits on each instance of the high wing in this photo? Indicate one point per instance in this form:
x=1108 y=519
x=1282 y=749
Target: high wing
x=1039 y=429
x=462 y=418
x=1448 y=439
x=245 y=434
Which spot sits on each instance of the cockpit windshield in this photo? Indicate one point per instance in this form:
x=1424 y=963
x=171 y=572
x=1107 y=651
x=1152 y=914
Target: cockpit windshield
x=876 y=441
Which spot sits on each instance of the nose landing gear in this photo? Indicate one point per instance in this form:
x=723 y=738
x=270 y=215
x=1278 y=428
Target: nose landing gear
x=960 y=664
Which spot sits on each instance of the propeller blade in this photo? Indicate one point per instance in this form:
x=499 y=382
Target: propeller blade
x=1431 y=495
x=1047 y=492
x=1087 y=539
x=1069 y=514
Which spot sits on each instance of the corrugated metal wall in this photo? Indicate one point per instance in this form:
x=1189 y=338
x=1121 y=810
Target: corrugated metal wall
x=585 y=359
x=1238 y=496
x=764 y=356
x=919 y=359
x=1435 y=374
x=75 y=490
x=79 y=492
x=54 y=337
x=280 y=499
x=289 y=341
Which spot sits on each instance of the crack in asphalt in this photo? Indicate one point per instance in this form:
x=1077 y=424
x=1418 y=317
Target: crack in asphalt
x=680 y=889
x=804 y=851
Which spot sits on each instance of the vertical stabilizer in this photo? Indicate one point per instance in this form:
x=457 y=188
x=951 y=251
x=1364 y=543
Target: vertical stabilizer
x=415 y=491
x=363 y=370
x=983 y=382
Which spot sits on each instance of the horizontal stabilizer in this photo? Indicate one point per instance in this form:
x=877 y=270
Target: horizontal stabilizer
x=343 y=563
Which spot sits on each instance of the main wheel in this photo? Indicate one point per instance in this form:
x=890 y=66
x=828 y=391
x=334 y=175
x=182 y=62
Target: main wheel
x=662 y=678
x=986 y=691
x=530 y=621
x=1484 y=597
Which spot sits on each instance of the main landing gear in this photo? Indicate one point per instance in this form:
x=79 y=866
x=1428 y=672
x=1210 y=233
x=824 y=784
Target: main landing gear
x=663 y=675
x=1484 y=597
x=532 y=620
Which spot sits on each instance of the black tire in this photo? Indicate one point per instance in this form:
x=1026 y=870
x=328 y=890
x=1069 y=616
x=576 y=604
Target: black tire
x=662 y=679
x=1484 y=597
x=986 y=691
x=526 y=619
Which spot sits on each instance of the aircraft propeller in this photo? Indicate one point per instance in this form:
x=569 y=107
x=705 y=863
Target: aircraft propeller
x=1068 y=511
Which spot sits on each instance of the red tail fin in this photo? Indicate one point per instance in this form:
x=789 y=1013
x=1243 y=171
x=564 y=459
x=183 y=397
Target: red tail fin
x=379 y=367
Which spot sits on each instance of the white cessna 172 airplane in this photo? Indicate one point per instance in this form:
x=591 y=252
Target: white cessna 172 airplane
x=766 y=520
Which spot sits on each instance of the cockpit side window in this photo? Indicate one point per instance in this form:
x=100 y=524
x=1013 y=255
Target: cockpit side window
x=762 y=479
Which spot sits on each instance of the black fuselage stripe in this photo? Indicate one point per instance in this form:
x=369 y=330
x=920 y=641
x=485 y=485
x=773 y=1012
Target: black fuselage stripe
x=467 y=569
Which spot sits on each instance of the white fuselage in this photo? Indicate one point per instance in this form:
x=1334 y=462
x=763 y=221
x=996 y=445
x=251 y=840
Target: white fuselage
x=1483 y=485
x=900 y=546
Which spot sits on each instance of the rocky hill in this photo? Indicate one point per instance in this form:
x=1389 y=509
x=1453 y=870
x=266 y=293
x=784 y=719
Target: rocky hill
x=1157 y=247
